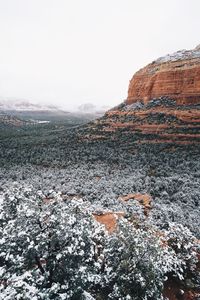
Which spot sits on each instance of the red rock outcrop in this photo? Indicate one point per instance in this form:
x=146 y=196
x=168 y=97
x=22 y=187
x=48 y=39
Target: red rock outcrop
x=176 y=76
x=108 y=219
x=144 y=199
x=163 y=104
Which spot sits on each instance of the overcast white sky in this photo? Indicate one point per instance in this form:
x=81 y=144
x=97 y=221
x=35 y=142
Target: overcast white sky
x=70 y=52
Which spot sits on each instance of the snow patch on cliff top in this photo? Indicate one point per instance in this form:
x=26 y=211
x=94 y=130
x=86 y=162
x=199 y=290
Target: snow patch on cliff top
x=180 y=55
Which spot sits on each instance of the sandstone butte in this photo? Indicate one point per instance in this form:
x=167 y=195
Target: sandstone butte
x=176 y=76
x=162 y=106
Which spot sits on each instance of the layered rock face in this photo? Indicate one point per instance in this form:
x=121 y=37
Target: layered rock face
x=176 y=76
x=163 y=103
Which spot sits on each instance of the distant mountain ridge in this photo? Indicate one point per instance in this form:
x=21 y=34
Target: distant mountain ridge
x=24 y=105
x=90 y=108
x=18 y=113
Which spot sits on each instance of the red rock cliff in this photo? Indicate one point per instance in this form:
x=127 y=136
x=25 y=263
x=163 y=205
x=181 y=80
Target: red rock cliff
x=163 y=104
x=176 y=76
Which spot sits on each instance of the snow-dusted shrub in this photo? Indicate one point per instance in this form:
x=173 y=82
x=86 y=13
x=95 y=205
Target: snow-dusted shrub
x=54 y=249
x=187 y=249
x=137 y=264
x=50 y=250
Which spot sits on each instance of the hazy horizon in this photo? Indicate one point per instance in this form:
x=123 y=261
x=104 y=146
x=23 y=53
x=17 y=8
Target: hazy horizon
x=68 y=53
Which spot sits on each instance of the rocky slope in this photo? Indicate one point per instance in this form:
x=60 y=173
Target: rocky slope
x=11 y=121
x=163 y=103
